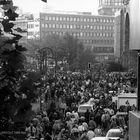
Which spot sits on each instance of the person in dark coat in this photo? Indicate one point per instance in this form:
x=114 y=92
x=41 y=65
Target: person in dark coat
x=87 y=116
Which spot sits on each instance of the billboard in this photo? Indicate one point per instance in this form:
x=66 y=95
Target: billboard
x=134 y=24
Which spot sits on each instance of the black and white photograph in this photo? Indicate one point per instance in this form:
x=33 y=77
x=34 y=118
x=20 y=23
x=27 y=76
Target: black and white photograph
x=69 y=69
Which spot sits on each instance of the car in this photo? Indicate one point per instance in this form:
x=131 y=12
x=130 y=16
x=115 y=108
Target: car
x=115 y=133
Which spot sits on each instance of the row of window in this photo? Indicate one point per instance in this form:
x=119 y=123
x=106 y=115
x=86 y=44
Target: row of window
x=73 y=26
x=81 y=34
x=111 y=2
x=30 y=26
x=88 y=41
x=98 y=42
x=77 y=19
x=103 y=49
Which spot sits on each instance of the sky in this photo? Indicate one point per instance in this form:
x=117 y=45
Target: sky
x=36 y=6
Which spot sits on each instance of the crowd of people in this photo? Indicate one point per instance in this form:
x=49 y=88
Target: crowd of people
x=61 y=121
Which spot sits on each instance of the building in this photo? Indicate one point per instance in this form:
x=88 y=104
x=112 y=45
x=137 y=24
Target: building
x=21 y=22
x=127 y=34
x=119 y=33
x=33 y=29
x=110 y=7
x=96 y=32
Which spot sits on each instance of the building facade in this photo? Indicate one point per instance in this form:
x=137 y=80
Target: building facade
x=22 y=23
x=33 y=29
x=110 y=7
x=96 y=32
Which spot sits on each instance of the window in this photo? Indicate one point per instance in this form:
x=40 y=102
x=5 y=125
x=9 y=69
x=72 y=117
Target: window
x=53 y=26
x=81 y=26
x=42 y=25
x=74 y=26
x=50 y=18
x=68 y=19
x=85 y=19
x=97 y=19
x=60 y=18
x=53 y=18
x=64 y=19
x=81 y=34
x=91 y=20
x=64 y=26
x=101 y=34
x=46 y=17
x=60 y=26
x=46 y=25
x=107 y=34
x=57 y=25
x=88 y=26
x=57 y=18
x=68 y=26
x=71 y=26
x=71 y=19
x=30 y=33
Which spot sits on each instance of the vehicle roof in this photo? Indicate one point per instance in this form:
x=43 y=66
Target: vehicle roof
x=99 y=138
x=85 y=105
x=114 y=130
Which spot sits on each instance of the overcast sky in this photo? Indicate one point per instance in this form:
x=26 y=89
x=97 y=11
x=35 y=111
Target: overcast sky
x=36 y=6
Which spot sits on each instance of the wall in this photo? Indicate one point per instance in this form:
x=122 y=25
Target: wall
x=134 y=126
x=134 y=24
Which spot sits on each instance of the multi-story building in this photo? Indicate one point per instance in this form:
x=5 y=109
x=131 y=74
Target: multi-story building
x=33 y=29
x=109 y=7
x=119 y=33
x=21 y=23
x=96 y=32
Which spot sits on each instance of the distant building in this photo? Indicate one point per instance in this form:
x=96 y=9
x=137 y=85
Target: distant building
x=119 y=33
x=21 y=23
x=33 y=29
x=96 y=32
x=110 y=7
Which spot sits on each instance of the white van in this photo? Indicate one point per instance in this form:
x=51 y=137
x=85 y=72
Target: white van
x=84 y=107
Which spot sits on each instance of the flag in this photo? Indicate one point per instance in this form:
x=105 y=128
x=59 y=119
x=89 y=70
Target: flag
x=44 y=0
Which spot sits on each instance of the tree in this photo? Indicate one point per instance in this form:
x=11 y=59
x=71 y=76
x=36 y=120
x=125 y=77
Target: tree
x=11 y=64
x=115 y=67
x=86 y=57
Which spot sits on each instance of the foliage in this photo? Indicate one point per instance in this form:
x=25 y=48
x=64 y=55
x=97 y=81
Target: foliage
x=11 y=66
x=65 y=48
x=115 y=67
